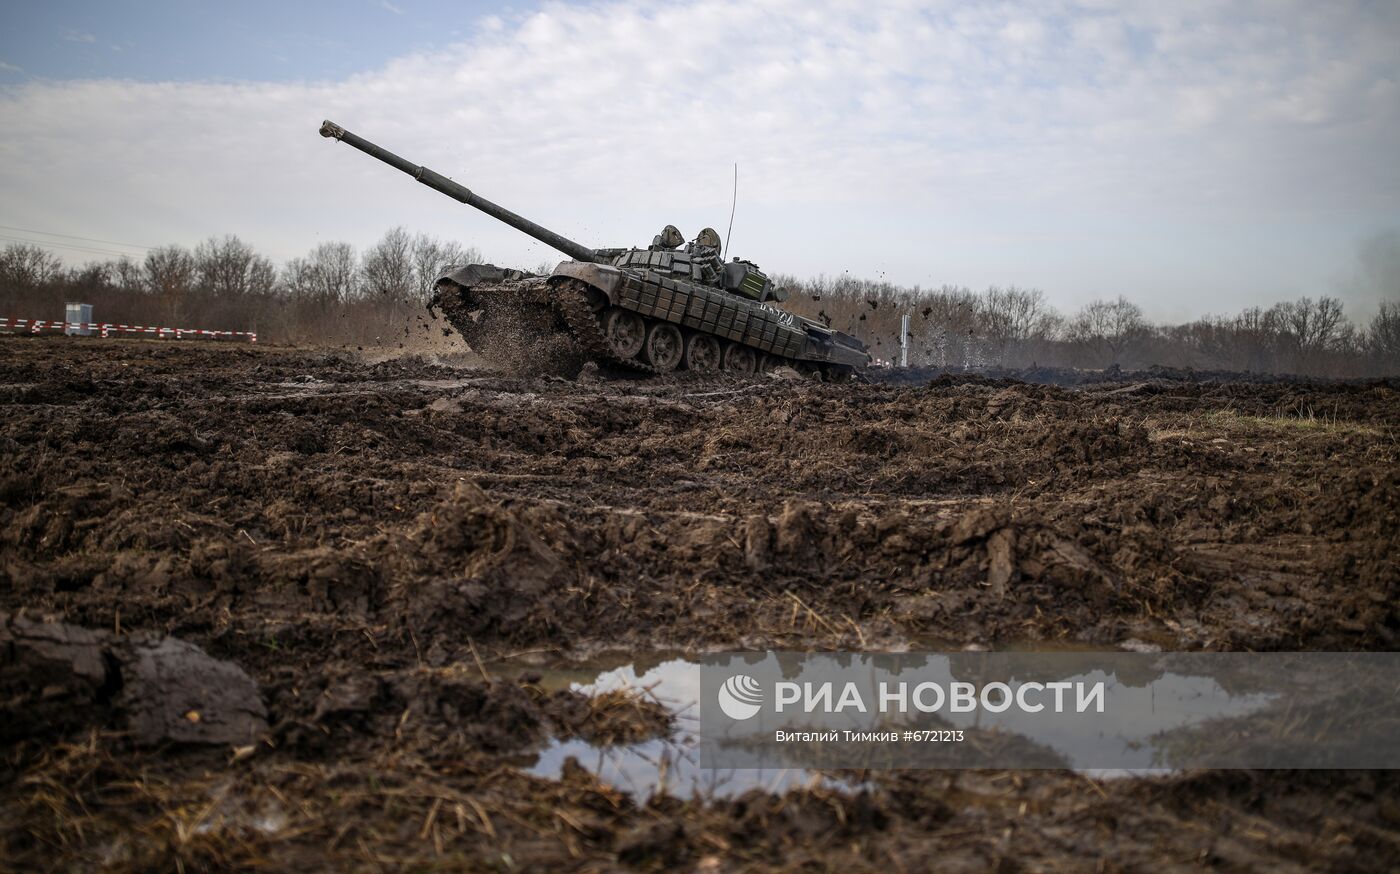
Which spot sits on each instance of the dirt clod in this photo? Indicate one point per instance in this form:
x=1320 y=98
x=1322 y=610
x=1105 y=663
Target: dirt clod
x=57 y=678
x=172 y=691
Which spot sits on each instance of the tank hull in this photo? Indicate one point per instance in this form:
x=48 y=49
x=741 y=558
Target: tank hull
x=605 y=309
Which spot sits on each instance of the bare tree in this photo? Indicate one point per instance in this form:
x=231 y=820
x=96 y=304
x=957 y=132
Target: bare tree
x=96 y=275
x=170 y=275
x=127 y=274
x=297 y=283
x=1304 y=330
x=432 y=258
x=26 y=267
x=327 y=275
x=1253 y=340
x=1107 y=329
x=1383 y=336
x=1012 y=320
x=388 y=278
x=387 y=269
x=1309 y=325
x=229 y=269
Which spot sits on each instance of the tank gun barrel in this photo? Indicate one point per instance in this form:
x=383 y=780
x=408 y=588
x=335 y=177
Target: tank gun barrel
x=438 y=182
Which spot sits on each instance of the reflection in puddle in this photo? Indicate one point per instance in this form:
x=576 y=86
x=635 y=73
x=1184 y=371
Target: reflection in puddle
x=672 y=764
x=664 y=764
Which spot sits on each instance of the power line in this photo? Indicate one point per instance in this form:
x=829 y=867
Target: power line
x=49 y=245
x=71 y=237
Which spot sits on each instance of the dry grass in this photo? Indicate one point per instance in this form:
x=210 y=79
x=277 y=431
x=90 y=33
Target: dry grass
x=1305 y=421
x=1221 y=425
x=91 y=806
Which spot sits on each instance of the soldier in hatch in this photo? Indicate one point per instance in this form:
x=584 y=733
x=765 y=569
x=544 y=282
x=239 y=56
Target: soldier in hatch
x=669 y=238
x=705 y=253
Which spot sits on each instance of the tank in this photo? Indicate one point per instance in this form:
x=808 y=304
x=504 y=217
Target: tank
x=671 y=305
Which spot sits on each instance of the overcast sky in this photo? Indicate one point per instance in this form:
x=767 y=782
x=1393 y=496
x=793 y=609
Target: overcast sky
x=1196 y=156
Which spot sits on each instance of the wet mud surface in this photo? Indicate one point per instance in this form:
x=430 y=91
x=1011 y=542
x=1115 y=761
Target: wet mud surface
x=399 y=554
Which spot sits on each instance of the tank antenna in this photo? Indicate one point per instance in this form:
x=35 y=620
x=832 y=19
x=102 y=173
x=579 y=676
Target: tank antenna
x=733 y=203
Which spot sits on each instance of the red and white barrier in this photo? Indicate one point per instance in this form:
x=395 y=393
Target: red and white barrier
x=105 y=329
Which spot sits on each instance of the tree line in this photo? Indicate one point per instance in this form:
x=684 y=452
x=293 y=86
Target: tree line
x=956 y=328
x=336 y=296
x=332 y=295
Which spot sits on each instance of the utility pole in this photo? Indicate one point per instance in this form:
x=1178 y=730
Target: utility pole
x=904 y=340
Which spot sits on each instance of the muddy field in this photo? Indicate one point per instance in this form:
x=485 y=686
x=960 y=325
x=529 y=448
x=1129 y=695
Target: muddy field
x=404 y=557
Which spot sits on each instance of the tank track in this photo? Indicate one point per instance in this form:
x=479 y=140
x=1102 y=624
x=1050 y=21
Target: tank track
x=572 y=306
x=571 y=297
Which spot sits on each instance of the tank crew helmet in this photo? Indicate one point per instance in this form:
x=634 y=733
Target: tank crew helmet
x=708 y=238
x=669 y=238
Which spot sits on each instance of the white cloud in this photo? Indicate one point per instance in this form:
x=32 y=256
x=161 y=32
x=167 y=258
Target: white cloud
x=1059 y=145
x=75 y=36
x=10 y=68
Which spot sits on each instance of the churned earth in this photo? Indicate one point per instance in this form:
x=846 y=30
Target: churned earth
x=401 y=554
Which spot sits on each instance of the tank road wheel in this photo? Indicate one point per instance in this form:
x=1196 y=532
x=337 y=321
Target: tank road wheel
x=739 y=358
x=702 y=353
x=663 y=346
x=625 y=332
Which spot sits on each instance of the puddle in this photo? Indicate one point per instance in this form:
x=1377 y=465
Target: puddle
x=672 y=763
